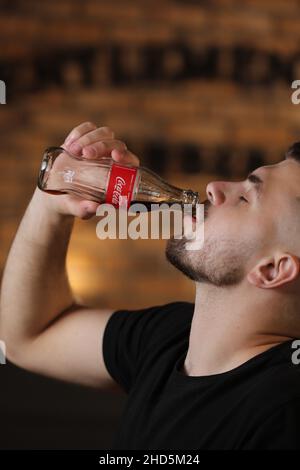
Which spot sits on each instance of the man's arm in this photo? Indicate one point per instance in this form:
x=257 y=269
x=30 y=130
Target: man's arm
x=45 y=331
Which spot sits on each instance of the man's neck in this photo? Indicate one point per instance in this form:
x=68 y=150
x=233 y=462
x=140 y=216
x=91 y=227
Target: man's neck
x=229 y=327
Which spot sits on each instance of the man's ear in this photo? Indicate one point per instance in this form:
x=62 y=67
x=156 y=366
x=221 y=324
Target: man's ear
x=275 y=271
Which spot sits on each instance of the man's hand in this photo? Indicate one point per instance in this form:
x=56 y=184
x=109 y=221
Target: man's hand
x=92 y=143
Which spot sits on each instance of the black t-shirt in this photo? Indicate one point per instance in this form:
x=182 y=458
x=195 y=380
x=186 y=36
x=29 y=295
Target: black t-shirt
x=254 y=406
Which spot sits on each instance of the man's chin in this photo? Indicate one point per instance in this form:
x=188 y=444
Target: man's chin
x=176 y=246
x=177 y=255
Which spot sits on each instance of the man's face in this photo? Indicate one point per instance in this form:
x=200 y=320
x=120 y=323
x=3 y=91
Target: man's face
x=244 y=222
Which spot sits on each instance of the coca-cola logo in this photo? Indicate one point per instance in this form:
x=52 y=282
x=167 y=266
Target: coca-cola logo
x=117 y=191
x=121 y=183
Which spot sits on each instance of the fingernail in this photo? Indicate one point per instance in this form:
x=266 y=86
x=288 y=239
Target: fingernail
x=115 y=155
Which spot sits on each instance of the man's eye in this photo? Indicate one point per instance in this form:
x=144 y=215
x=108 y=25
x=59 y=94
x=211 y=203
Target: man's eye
x=242 y=198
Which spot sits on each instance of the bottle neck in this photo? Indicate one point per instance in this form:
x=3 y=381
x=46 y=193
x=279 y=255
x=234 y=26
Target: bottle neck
x=190 y=197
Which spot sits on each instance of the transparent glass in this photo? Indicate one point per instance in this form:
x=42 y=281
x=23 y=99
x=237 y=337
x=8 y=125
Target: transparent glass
x=62 y=172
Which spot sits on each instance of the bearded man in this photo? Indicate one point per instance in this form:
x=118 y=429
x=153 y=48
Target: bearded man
x=216 y=374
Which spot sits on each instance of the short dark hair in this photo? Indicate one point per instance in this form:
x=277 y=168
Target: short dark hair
x=294 y=152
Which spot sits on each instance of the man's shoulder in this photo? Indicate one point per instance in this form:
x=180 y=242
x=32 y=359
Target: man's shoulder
x=173 y=315
x=181 y=308
x=157 y=322
x=179 y=311
x=133 y=340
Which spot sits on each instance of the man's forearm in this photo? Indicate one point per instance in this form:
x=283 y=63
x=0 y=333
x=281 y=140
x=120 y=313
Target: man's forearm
x=35 y=287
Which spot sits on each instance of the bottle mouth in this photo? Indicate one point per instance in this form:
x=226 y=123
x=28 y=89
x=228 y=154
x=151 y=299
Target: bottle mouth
x=50 y=154
x=44 y=170
x=191 y=197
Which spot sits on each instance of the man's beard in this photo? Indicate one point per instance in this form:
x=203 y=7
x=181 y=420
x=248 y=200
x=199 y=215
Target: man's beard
x=219 y=262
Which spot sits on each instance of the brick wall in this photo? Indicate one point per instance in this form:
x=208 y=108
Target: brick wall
x=199 y=90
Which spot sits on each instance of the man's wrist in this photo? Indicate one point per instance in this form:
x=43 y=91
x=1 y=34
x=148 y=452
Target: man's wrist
x=44 y=204
x=43 y=223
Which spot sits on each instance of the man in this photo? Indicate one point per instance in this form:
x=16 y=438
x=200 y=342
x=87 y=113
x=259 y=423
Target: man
x=217 y=374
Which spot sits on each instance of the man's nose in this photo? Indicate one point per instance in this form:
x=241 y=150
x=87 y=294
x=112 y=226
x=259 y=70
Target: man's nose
x=216 y=192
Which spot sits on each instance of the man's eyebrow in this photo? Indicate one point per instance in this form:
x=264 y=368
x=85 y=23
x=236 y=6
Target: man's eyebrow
x=255 y=180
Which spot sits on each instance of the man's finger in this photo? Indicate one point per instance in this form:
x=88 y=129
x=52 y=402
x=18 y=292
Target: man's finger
x=78 y=131
x=83 y=209
x=125 y=156
x=84 y=129
x=102 y=148
x=89 y=138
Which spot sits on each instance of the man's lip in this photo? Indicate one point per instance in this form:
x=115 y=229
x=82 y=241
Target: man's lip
x=206 y=206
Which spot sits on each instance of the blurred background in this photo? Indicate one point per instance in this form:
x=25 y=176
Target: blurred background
x=199 y=90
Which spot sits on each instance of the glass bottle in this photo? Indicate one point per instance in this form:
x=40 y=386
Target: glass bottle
x=104 y=180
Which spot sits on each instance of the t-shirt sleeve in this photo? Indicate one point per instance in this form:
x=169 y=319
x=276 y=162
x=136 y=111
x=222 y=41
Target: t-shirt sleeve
x=130 y=334
x=281 y=430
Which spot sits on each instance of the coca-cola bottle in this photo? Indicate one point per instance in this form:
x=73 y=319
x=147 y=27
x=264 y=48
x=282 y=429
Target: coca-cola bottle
x=104 y=180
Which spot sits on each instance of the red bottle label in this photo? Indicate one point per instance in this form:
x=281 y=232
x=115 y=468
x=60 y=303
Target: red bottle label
x=121 y=183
